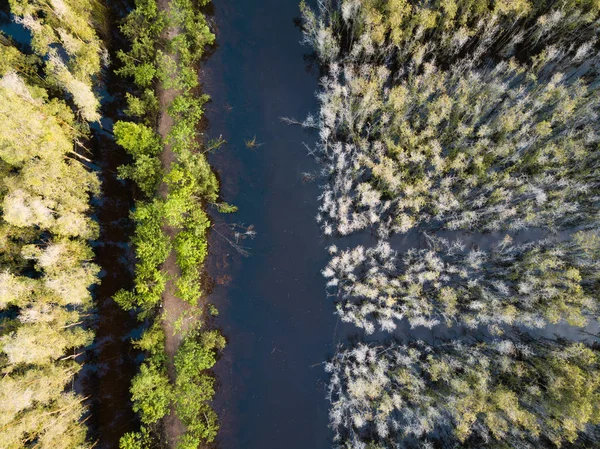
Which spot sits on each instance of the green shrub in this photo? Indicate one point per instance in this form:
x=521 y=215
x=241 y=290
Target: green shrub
x=146 y=172
x=195 y=387
x=151 y=393
x=137 y=139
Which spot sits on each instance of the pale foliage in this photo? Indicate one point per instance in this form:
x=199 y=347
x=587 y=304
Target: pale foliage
x=46 y=268
x=410 y=396
x=529 y=285
x=40 y=343
x=69 y=25
x=82 y=93
x=460 y=116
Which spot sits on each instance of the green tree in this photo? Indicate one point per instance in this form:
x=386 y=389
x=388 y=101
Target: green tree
x=151 y=393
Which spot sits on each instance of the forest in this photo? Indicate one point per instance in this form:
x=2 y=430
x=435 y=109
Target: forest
x=49 y=102
x=428 y=277
x=471 y=127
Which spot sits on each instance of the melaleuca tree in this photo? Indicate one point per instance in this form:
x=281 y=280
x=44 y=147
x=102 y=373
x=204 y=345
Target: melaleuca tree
x=46 y=266
x=460 y=116
x=49 y=425
x=51 y=187
x=19 y=391
x=437 y=143
x=529 y=285
x=507 y=148
x=459 y=394
x=410 y=32
x=64 y=33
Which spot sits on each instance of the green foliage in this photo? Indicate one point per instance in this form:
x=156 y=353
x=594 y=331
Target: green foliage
x=187 y=110
x=13 y=60
x=137 y=139
x=188 y=441
x=189 y=287
x=226 y=208
x=153 y=342
x=137 y=440
x=142 y=27
x=146 y=105
x=192 y=178
x=144 y=145
x=152 y=247
x=196 y=34
x=45 y=261
x=151 y=393
x=194 y=387
x=190 y=244
x=127 y=300
x=146 y=172
x=131 y=440
x=212 y=309
x=176 y=221
x=198 y=353
x=39 y=424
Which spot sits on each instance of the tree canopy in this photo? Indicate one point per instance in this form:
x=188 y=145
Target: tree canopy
x=473 y=127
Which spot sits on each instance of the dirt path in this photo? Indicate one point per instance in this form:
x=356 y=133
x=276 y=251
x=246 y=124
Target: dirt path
x=173 y=307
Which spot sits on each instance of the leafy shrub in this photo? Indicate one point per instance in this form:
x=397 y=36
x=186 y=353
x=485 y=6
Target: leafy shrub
x=151 y=393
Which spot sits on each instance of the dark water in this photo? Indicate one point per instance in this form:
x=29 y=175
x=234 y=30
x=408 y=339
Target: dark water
x=274 y=312
x=17 y=32
x=111 y=360
x=111 y=363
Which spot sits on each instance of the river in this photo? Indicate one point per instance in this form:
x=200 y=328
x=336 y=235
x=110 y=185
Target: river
x=274 y=312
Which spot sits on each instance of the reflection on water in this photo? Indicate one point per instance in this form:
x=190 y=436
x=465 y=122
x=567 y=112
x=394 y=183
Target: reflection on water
x=111 y=360
x=17 y=32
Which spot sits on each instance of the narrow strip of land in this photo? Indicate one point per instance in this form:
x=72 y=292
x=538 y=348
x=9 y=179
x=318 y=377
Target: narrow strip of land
x=174 y=307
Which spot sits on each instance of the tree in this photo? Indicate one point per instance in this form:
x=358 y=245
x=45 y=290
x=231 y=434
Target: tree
x=151 y=393
x=45 y=266
x=497 y=392
x=195 y=387
x=70 y=26
x=467 y=118
x=144 y=145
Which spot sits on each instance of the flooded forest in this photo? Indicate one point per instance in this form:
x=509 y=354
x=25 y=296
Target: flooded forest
x=266 y=224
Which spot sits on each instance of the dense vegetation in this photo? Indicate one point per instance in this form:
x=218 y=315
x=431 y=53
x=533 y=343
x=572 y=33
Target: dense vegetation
x=528 y=285
x=439 y=135
x=496 y=393
x=461 y=121
x=46 y=99
x=170 y=215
